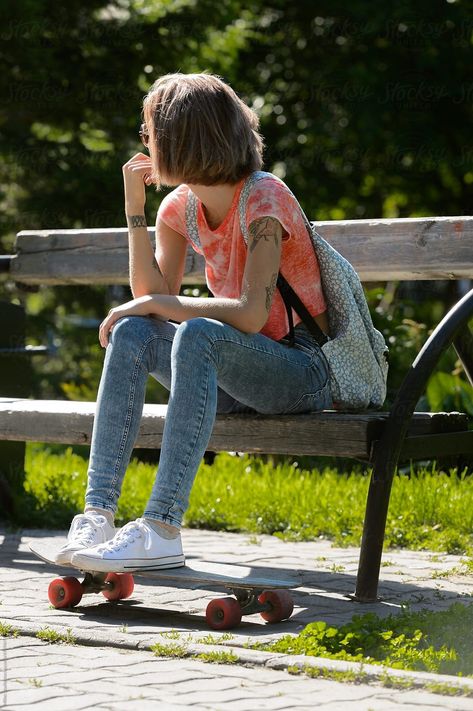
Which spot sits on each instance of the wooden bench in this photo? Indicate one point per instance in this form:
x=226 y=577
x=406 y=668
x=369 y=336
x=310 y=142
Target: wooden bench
x=380 y=250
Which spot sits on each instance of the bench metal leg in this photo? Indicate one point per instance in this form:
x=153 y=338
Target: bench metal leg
x=15 y=381
x=451 y=329
x=463 y=344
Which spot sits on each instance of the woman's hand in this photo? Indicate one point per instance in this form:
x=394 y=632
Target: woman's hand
x=135 y=307
x=136 y=174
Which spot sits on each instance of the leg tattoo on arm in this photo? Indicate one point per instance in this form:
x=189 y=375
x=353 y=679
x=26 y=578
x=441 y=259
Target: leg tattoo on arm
x=270 y=291
x=267 y=228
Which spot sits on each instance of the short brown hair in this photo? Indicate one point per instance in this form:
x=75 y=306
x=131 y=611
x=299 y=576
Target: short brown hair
x=202 y=132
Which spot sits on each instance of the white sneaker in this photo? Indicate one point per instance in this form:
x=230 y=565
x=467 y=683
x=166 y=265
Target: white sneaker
x=135 y=547
x=86 y=530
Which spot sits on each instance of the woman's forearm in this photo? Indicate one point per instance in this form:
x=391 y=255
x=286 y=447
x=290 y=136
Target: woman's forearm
x=145 y=275
x=235 y=312
x=239 y=313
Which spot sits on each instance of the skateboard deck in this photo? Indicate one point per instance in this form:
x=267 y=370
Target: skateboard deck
x=252 y=592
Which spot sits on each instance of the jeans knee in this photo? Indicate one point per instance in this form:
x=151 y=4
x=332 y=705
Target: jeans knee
x=130 y=332
x=195 y=335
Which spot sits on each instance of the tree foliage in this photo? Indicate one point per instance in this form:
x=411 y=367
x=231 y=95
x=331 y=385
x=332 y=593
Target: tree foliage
x=365 y=108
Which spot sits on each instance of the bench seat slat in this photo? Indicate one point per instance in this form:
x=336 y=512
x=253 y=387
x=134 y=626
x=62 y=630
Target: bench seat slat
x=327 y=433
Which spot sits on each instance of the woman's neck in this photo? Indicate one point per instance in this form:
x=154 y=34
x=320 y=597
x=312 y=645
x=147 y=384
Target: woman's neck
x=216 y=200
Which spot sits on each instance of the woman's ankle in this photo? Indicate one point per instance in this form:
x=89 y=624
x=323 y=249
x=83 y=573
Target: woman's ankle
x=109 y=515
x=165 y=530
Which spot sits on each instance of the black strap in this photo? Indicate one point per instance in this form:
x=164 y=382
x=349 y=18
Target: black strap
x=289 y=296
x=292 y=301
x=282 y=286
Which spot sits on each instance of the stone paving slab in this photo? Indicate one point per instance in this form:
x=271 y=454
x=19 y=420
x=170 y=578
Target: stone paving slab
x=51 y=677
x=325 y=576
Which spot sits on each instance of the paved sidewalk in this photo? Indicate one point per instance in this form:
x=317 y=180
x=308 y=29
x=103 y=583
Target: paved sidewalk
x=70 y=677
x=110 y=666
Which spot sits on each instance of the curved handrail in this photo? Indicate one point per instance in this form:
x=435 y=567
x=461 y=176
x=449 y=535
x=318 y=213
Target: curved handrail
x=417 y=377
x=391 y=440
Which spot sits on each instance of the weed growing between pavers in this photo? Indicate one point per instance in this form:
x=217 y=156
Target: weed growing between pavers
x=447 y=690
x=218 y=657
x=212 y=639
x=6 y=630
x=54 y=637
x=172 y=634
x=387 y=680
x=438 y=642
x=428 y=510
x=352 y=677
x=169 y=650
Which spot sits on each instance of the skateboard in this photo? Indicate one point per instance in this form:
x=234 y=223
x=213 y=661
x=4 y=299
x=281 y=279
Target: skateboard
x=251 y=593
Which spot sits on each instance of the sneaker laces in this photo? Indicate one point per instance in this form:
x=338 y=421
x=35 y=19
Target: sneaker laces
x=127 y=535
x=83 y=528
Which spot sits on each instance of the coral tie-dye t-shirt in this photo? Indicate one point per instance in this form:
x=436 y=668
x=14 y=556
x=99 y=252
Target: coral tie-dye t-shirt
x=225 y=251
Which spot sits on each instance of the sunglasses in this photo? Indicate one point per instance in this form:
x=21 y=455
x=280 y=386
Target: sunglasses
x=144 y=135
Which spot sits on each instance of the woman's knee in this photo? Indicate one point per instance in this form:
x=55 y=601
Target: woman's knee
x=131 y=332
x=196 y=335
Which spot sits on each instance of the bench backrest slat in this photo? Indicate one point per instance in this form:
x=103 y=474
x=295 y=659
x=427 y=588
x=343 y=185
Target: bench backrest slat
x=402 y=248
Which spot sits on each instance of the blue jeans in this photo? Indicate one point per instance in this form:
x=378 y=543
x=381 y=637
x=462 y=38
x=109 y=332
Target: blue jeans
x=209 y=367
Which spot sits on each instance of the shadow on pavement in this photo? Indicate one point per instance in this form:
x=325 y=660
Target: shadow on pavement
x=318 y=594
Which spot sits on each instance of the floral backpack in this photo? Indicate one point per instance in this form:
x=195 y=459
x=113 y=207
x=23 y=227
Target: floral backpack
x=356 y=352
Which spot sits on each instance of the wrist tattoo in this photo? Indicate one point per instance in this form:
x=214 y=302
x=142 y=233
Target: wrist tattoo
x=270 y=291
x=267 y=228
x=136 y=221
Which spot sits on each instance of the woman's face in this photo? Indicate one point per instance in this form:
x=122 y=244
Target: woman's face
x=149 y=145
x=144 y=135
x=147 y=138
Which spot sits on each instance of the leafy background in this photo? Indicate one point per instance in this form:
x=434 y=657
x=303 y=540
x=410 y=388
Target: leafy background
x=365 y=108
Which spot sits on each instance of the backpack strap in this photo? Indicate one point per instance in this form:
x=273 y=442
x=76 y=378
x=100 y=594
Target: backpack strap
x=289 y=296
x=191 y=221
x=291 y=299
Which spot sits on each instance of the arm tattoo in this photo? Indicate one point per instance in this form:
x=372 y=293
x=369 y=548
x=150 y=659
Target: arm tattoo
x=270 y=291
x=267 y=228
x=136 y=221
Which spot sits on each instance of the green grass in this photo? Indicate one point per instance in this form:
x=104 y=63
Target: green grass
x=54 y=637
x=169 y=650
x=428 y=510
x=7 y=630
x=218 y=657
x=417 y=641
x=387 y=679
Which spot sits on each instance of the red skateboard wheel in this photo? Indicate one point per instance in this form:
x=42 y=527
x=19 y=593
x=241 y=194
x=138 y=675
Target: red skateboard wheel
x=223 y=613
x=123 y=585
x=281 y=605
x=65 y=592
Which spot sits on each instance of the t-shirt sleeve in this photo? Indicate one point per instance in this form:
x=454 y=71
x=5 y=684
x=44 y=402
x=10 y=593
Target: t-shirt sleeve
x=172 y=210
x=271 y=198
